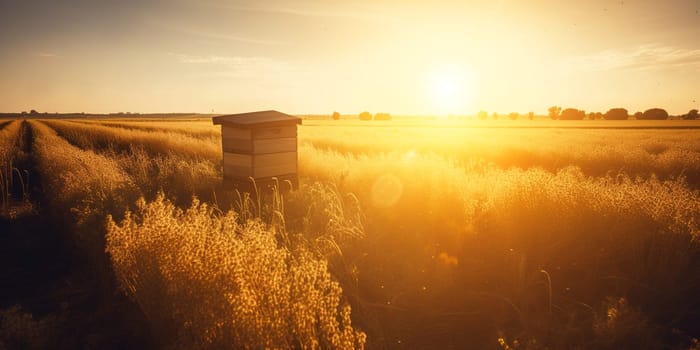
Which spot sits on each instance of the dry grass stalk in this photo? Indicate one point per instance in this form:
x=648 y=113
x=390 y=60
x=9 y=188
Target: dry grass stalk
x=207 y=280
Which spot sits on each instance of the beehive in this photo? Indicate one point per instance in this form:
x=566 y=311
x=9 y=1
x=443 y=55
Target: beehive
x=260 y=146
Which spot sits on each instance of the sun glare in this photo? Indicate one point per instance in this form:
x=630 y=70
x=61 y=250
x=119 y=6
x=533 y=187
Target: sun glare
x=451 y=89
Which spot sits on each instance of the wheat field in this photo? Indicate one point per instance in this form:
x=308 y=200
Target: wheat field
x=415 y=236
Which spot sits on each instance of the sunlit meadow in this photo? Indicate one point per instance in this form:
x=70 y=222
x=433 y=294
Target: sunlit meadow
x=414 y=235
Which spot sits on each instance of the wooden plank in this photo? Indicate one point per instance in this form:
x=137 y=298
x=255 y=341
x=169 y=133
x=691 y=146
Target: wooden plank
x=275 y=132
x=236 y=145
x=259 y=165
x=264 y=160
x=235 y=159
x=237 y=133
x=233 y=171
x=258 y=160
x=288 y=144
x=259 y=146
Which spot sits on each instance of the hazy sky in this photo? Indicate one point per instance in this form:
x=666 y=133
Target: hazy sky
x=321 y=56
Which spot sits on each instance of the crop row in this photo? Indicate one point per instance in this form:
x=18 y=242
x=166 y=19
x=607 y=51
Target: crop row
x=9 y=132
x=197 y=129
x=102 y=136
x=162 y=168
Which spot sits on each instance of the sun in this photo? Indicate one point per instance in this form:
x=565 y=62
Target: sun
x=451 y=89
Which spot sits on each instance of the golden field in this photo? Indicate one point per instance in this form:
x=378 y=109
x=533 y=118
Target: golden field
x=402 y=234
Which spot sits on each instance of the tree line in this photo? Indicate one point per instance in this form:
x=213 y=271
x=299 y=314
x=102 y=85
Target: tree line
x=556 y=113
x=366 y=116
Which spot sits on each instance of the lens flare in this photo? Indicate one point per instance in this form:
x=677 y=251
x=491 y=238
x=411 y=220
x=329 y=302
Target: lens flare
x=386 y=191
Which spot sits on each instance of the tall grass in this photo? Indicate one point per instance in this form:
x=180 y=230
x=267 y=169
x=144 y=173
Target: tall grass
x=8 y=138
x=664 y=153
x=474 y=239
x=8 y=173
x=20 y=330
x=179 y=178
x=204 y=279
x=209 y=280
x=166 y=168
x=594 y=238
x=82 y=186
x=533 y=253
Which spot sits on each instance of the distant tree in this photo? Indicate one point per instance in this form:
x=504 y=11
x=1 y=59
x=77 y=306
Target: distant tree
x=638 y=115
x=616 y=114
x=24 y=113
x=365 y=116
x=531 y=115
x=494 y=116
x=382 y=116
x=336 y=115
x=595 y=115
x=691 y=115
x=513 y=116
x=554 y=112
x=655 y=114
x=482 y=115
x=572 y=114
x=33 y=112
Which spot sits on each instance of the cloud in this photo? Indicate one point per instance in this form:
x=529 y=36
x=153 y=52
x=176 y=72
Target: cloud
x=223 y=60
x=320 y=13
x=47 y=54
x=214 y=59
x=643 y=57
x=326 y=14
x=234 y=66
x=228 y=37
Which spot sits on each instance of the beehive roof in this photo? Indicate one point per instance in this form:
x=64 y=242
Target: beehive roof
x=251 y=119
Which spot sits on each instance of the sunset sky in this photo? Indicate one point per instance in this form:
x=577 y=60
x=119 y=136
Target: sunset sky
x=303 y=57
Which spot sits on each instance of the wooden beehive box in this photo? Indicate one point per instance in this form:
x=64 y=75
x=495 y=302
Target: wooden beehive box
x=259 y=145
